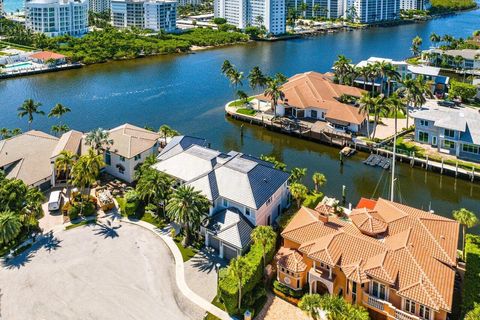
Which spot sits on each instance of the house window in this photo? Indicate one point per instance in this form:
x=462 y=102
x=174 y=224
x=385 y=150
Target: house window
x=449 y=133
x=225 y=202
x=448 y=144
x=122 y=159
x=108 y=158
x=247 y=211
x=269 y=201
x=470 y=148
x=137 y=157
x=424 y=123
x=314 y=114
x=121 y=169
x=422 y=136
x=379 y=290
x=410 y=306
x=424 y=312
x=354 y=292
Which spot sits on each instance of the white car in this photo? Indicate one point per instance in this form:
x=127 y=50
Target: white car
x=55 y=201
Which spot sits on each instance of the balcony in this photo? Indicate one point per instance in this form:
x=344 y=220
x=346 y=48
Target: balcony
x=326 y=279
x=386 y=308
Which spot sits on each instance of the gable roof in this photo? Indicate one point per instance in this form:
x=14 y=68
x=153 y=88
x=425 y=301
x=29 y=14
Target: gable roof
x=69 y=141
x=27 y=156
x=313 y=89
x=130 y=140
x=415 y=254
x=231 y=227
x=178 y=144
x=237 y=177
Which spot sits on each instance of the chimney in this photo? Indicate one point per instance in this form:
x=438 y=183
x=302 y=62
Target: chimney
x=323 y=217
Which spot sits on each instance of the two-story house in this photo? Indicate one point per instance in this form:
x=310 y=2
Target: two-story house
x=243 y=191
x=454 y=131
x=397 y=261
x=315 y=96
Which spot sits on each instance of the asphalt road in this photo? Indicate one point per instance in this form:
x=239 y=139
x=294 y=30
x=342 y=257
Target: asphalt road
x=94 y=272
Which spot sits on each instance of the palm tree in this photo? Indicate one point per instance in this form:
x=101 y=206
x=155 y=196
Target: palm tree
x=235 y=78
x=187 y=207
x=64 y=163
x=5 y=133
x=98 y=139
x=226 y=67
x=310 y=303
x=458 y=61
x=167 y=132
x=434 y=38
x=85 y=171
x=473 y=314
x=412 y=94
x=29 y=108
x=94 y=161
x=395 y=104
x=467 y=219
x=383 y=68
x=416 y=43
x=341 y=67
x=364 y=72
x=15 y=132
x=379 y=108
x=237 y=269
x=10 y=226
x=32 y=209
x=367 y=104
x=263 y=235
x=256 y=78
x=299 y=192
x=145 y=166
x=319 y=180
x=374 y=74
x=243 y=97
x=58 y=111
x=297 y=174
x=154 y=187
x=392 y=75
x=275 y=93
x=60 y=129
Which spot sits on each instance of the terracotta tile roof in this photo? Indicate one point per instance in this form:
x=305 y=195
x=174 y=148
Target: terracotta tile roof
x=366 y=203
x=313 y=89
x=129 y=140
x=368 y=221
x=290 y=259
x=416 y=253
x=46 y=55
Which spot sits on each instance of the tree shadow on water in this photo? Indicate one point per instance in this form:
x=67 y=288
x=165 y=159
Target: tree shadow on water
x=107 y=230
x=47 y=241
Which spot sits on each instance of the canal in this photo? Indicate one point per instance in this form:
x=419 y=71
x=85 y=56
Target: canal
x=188 y=93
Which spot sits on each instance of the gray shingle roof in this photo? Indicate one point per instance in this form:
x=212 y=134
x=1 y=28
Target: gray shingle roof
x=466 y=120
x=237 y=177
x=179 y=144
x=231 y=227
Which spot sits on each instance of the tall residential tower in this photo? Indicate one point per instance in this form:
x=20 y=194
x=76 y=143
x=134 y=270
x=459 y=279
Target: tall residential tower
x=145 y=14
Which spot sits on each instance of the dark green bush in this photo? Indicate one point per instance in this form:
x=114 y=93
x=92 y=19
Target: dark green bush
x=288 y=291
x=312 y=200
x=471 y=287
x=228 y=287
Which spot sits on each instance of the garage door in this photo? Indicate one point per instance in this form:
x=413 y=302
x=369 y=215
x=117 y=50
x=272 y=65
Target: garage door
x=214 y=243
x=229 y=253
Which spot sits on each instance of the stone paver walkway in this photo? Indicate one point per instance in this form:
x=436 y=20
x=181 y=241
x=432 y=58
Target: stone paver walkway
x=279 y=309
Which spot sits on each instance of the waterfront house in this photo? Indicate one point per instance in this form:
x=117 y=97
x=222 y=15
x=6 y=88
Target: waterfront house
x=455 y=131
x=27 y=157
x=405 y=70
x=397 y=261
x=470 y=58
x=243 y=191
x=47 y=57
x=315 y=96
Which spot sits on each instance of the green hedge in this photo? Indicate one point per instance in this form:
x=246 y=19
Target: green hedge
x=228 y=288
x=313 y=199
x=471 y=287
x=288 y=291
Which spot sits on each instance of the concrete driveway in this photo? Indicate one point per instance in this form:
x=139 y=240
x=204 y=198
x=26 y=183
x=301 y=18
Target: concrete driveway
x=94 y=272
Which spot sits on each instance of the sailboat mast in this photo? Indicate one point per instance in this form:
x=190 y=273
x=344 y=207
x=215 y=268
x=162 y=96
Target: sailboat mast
x=392 y=187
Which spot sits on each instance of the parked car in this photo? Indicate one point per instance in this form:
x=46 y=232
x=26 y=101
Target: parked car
x=55 y=201
x=447 y=103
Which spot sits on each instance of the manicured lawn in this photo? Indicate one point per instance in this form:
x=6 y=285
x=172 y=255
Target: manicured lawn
x=187 y=253
x=245 y=111
x=218 y=304
x=17 y=46
x=239 y=103
x=81 y=223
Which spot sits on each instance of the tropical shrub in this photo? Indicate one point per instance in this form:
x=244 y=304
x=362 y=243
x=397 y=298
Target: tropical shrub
x=130 y=203
x=288 y=291
x=253 y=273
x=464 y=91
x=471 y=287
x=312 y=200
x=442 y=6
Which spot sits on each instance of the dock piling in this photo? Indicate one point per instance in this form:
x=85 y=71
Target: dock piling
x=456 y=169
x=441 y=170
x=426 y=164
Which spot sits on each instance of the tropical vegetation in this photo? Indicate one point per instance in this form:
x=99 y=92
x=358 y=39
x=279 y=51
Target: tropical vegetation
x=335 y=307
x=471 y=281
x=467 y=219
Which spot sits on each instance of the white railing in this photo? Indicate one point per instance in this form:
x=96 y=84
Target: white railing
x=402 y=315
x=376 y=303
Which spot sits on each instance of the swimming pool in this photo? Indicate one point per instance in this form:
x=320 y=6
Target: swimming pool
x=18 y=66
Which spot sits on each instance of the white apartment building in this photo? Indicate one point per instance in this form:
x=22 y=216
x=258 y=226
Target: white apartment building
x=413 y=4
x=372 y=11
x=1 y=7
x=244 y=13
x=145 y=14
x=57 y=17
x=182 y=3
x=99 y=6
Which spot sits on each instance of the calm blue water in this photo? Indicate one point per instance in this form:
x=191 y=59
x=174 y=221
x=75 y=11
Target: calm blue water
x=13 y=5
x=188 y=92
